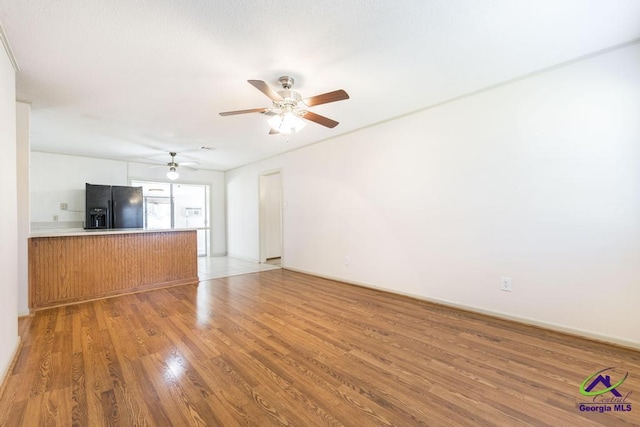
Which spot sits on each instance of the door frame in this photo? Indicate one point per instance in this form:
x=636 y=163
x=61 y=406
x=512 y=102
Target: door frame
x=262 y=216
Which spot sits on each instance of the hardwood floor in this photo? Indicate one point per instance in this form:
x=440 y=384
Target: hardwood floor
x=283 y=348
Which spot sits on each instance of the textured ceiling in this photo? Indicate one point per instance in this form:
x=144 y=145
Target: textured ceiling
x=132 y=80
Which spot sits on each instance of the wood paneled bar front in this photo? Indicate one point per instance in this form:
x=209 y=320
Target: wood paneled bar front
x=71 y=267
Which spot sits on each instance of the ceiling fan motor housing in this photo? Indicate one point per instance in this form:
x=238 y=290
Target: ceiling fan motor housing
x=286 y=82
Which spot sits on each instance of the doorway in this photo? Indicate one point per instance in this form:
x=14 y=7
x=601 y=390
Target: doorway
x=177 y=206
x=270 y=193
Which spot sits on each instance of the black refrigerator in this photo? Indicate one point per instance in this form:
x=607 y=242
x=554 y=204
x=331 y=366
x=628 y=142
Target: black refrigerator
x=112 y=206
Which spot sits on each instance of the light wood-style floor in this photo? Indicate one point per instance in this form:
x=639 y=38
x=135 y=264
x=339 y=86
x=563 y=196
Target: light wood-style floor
x=283 y=348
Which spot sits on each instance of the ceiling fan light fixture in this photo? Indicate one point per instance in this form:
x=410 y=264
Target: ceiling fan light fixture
x=173 y=174
x=287 y=123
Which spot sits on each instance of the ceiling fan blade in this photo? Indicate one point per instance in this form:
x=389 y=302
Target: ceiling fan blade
x=253 y=110
x=336 y=95
x=321 y=120
x=266 y=89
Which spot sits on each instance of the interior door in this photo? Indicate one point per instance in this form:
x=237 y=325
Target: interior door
x=270 y=215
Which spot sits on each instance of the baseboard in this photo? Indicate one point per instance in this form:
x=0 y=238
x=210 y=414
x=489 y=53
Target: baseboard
x=24 y=321
x=7 y=374
x=491 y=313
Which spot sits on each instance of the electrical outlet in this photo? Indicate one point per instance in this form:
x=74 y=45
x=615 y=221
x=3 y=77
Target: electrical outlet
x=347 y=261
x=505 y=284
x=55 y=217
x=64 y=206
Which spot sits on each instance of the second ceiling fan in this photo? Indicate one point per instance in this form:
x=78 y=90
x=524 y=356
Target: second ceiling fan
x=172 y=172
x=289 y=108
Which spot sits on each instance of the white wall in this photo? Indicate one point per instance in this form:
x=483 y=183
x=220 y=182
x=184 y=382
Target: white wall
x=58 y=178
x=243 y=219
x=8 y=217
x=537 y=180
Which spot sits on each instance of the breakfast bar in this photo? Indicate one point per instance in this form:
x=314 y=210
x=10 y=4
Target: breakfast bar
x=72 y=266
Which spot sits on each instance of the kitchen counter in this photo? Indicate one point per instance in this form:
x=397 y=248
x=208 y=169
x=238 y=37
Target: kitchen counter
x=68 y=266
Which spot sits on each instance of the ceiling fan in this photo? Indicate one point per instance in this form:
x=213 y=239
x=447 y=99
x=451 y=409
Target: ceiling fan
x=172 y=173
x=289 y=108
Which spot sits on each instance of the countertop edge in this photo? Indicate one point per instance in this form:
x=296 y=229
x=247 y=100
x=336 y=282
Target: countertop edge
x=98 y=232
